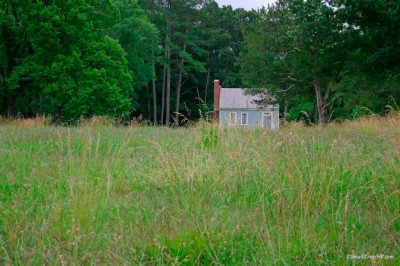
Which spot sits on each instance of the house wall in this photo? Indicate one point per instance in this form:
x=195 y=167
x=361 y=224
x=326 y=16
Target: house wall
x=254 y=118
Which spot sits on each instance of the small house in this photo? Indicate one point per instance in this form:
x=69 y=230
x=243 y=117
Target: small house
x=233 y=107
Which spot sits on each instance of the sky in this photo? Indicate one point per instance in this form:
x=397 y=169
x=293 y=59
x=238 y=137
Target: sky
x=246 y=4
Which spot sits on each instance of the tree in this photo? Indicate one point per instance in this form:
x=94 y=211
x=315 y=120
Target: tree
x=296 y=48
x=200 y=42
x=374 y=68
x=62 y=57
x=177 y=21
x=139 y=38
x=344 y=52
x=223 y=38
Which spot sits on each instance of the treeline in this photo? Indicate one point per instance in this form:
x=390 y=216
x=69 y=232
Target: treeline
x=120 y=58
x=157 y=58
x=330 y=59
x=73 y=58
x=199 y=42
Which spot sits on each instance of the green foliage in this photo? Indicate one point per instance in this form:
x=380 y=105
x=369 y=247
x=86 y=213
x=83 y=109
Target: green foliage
x=300 y=110
x=204 y=40
x=210 y=136
x=343 y=52
x=83 y=58
x=297 y=48
x=95 y=82
x=221 y=29
x=62 y=61
x=140 y=44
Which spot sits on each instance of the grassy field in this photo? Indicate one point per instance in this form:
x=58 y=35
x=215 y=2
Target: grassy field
x=200 y=196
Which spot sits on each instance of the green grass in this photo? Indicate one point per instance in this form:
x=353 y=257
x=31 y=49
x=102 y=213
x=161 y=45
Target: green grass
x=199 y=196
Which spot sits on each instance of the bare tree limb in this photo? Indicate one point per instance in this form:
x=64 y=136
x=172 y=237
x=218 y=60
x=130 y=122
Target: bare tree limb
x=334 y=99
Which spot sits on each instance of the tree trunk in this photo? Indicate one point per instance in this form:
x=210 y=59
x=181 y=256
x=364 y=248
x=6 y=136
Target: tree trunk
x=163 y=95
x=154 y=102
x=383 y=109
x=10 y=112
x=179 y=87
x=164 y=79
x=322 y=108
x=178 y=94
x=154 y=91
x=168 y=98
x=58 y=115
x=1 y=100
x=285 y=112
x=207 y=83
x=148 y=103
x=41 y=103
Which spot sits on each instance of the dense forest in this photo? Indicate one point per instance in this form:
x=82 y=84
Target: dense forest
x=156 y=59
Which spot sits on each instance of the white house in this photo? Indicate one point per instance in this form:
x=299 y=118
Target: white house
x=233 y=107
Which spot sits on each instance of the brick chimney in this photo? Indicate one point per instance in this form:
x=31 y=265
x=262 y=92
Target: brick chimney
x=217 y=93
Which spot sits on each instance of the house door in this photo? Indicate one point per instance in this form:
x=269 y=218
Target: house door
x=267 y=120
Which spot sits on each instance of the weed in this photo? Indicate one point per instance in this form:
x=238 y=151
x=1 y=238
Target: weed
x=100 y=194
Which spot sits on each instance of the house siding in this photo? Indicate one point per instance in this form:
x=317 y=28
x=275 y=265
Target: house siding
x=254 y=118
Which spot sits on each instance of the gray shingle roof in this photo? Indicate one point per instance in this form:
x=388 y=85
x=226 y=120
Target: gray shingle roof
x=234 y=98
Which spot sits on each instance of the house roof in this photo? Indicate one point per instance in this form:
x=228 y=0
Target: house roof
x=235 y=98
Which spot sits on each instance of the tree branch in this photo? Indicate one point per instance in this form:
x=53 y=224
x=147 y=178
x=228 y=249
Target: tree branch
x=334 y=99
x=327 y=93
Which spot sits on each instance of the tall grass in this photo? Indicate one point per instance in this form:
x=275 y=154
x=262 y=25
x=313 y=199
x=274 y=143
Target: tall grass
x=200 y=196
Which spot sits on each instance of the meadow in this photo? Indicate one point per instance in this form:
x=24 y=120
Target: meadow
x=139 y=195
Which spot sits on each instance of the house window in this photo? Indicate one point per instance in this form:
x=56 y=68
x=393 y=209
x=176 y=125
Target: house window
x=232 y=118
x=267 y=120
x=244 y=119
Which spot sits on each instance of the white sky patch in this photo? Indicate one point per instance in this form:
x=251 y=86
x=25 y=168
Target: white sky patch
x=246 y=4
